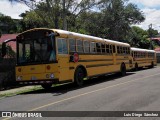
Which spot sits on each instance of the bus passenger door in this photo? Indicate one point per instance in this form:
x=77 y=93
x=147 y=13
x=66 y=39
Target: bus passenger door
x=63 y=59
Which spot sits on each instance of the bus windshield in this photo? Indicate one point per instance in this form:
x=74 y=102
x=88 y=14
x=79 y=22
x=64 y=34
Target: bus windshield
x=36 y=49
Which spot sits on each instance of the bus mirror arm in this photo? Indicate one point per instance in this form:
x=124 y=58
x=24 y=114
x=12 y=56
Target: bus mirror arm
x=4 y=51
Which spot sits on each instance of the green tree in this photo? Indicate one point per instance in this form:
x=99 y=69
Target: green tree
x=152 y=32
x=7 y=24
x=140 y=38
x=53 y=12
x=118 y=15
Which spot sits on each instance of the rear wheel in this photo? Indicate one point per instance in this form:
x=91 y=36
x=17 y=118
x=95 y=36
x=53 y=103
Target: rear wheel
x=46 y=86
x=123 y=70
x=78 y=77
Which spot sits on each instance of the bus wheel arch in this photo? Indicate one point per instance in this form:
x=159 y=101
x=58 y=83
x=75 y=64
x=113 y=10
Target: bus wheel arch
x=79 y=74
x=123 y=69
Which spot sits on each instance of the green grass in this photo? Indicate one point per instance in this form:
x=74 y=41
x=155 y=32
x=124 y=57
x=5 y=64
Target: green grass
x=20 y=92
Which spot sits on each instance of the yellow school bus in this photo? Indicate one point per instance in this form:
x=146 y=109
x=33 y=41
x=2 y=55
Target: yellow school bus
x=51 y=56
x=143 y=58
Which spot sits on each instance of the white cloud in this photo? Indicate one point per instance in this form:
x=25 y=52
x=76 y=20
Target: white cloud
x=152 y=17
x=147 y=3
x=14 y=10
x=151 y=3
x=151 y=10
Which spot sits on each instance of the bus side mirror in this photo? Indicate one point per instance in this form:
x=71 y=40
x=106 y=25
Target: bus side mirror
x=3 y=49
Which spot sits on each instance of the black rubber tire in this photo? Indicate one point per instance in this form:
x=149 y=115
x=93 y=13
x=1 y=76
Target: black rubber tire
x=46 y=86
x=78 y=77
x=123 y=69
x=136 y=67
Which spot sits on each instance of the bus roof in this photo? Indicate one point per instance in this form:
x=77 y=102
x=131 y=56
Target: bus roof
x=141 y=50
x=68 y=33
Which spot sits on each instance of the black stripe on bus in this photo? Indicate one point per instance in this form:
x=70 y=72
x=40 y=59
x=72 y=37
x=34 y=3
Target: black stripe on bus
x=144 y=60
x=95 y=60
x=122 y=59
x=109 y=54
x=97 y=65
x=71 y=68
x=121 y=63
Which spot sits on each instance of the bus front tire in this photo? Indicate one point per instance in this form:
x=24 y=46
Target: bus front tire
x=123 y=70
x=78 y=77
x=46 y=86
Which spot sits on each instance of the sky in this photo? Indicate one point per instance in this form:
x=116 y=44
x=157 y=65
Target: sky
x=150 y=8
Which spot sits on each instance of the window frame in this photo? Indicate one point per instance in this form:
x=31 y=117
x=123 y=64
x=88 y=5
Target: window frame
x=58 y=46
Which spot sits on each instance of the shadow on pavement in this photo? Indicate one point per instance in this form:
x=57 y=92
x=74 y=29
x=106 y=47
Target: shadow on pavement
x=62 y=89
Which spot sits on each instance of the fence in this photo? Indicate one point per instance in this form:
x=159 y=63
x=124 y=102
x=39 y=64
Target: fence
x=7 y=69
x=7 y=73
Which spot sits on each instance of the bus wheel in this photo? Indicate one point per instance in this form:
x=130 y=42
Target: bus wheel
x=136 y=67
x=123 y=69
x=46 y=86
x=78 y=77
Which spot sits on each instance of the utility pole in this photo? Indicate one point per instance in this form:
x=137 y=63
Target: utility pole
x=150 y=35
x=64 y=16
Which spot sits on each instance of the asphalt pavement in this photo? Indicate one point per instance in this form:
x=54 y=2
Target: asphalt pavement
x=137 y=91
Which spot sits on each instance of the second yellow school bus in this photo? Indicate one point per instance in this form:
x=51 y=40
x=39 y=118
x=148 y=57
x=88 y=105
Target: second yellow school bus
x=143 y=58
x=49 y=56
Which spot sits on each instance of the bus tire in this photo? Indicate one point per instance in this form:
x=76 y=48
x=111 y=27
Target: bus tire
x=79 y=76
x=136 y=67
x=123 y=69
x=46 y=86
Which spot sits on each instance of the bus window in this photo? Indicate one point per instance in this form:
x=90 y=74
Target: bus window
x=110 y=49
x=98 y=46
x=72 y=45
x=93 y=47
x=118 y=51
x=132 y=54
x=114 y=49
x=107 y=48
x=128 y=51
x=79 y=46
x=86 y=46
x=103 y=48
x=124 y=50
x=62 y=46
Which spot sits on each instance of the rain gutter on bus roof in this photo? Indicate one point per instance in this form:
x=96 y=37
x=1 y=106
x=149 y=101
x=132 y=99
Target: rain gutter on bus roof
x=88 y=37
x=141 y=50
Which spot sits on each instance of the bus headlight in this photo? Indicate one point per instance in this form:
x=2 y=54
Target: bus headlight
x=52 y=75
